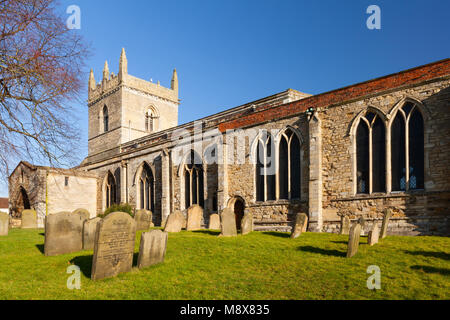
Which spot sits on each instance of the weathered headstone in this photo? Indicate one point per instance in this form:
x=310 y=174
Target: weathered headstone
x=143 y=219
x=247 y=223
x=194 y=218
x=152 y=248
x=353 y=240
x=174 y=222
x=373 y=234
x=301 y=223
x=362 y=222
x=84 y=213
x=63 y=233
x=384 y=225
x=114 y=245
x=228 y=223
x=4 y=224
x=345 y=225
x=214 y=222
x=29 y=219
x=89 y=229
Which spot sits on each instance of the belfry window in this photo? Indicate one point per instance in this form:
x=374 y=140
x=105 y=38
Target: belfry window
x=193 y=179
x=289 y=172
x=371 y=154
x=150 y=121
x=407 y=149
x=265 y=169
x=105 y=119
x=147 y=189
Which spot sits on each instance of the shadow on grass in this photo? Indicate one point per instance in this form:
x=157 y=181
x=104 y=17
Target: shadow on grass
x=433 y=254
x=41 y=248
x=327 y=252
x=210 y=232
x=277 y=234
x=428 y=269
x=85 y=264
x=42 y=234
x=340 y=242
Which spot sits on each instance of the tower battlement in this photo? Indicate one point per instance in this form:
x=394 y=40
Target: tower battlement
x=123 y=108
x=110 y=82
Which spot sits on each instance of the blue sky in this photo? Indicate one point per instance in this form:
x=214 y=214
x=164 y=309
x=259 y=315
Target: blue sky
x=231 y=52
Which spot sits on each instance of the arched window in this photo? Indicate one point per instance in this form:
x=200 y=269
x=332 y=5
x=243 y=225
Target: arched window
x=150 y=121
x=193 y=179
x=147 y=189
x=105 y=119
x=408 y=124
x=265 y=169
x=289 y=166
x=371 y=154
x=110 y=190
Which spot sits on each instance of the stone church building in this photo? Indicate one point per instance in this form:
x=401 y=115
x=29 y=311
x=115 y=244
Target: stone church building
x=355 y=151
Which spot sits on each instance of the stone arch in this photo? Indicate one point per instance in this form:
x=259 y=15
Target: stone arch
x=198 y=178
x=238 y=205
x=152 y=119
x=109 y=190
x=136 y=181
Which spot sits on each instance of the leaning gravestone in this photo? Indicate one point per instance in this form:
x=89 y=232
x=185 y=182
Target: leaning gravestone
x=247 y=223
x=29 y=219
x=4 y=224
x=228 y=223
x=152 y=248
x=301 y=223
x=384 y=225
x=194 y=218
x=214 y=222
x=345 y=225
x=83 y=212
x=89 y=229
x=114 y=245
x=63 y=233
x=353 y=240
x=174 y=222
x=373 y=234
x=143 y=219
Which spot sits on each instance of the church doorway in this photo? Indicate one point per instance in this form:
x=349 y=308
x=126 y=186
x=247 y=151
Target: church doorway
x=23 y=203
x=238 y=206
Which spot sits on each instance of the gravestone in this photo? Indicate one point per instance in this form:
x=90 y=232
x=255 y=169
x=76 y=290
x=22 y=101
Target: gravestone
x=89 y=229
x=247 y=223
x=384 y=225
x=4 y=224
x=143 y=219
x=214 y=222
x=353 y=240
x=194 y=218
x=29 y=219
x=228 y=223
x=84 y=212
x=301 y=223
x=152 y=248
x=114 y=245
x=174 y=222
x=373 y=234
x=345 y=225
x=63 y=233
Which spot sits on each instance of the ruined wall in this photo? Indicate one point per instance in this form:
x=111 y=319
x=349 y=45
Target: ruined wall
x=78 y=193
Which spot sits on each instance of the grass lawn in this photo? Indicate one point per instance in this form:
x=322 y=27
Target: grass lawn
x=200 y=265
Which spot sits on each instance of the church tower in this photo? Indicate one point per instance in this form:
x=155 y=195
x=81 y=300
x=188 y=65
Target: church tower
x=123 y=108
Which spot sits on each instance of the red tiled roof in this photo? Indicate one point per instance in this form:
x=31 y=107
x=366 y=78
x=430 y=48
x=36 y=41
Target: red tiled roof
x=4 y=203
x=408 y=77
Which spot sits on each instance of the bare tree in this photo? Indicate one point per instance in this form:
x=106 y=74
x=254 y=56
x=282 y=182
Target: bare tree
x=41 y=71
